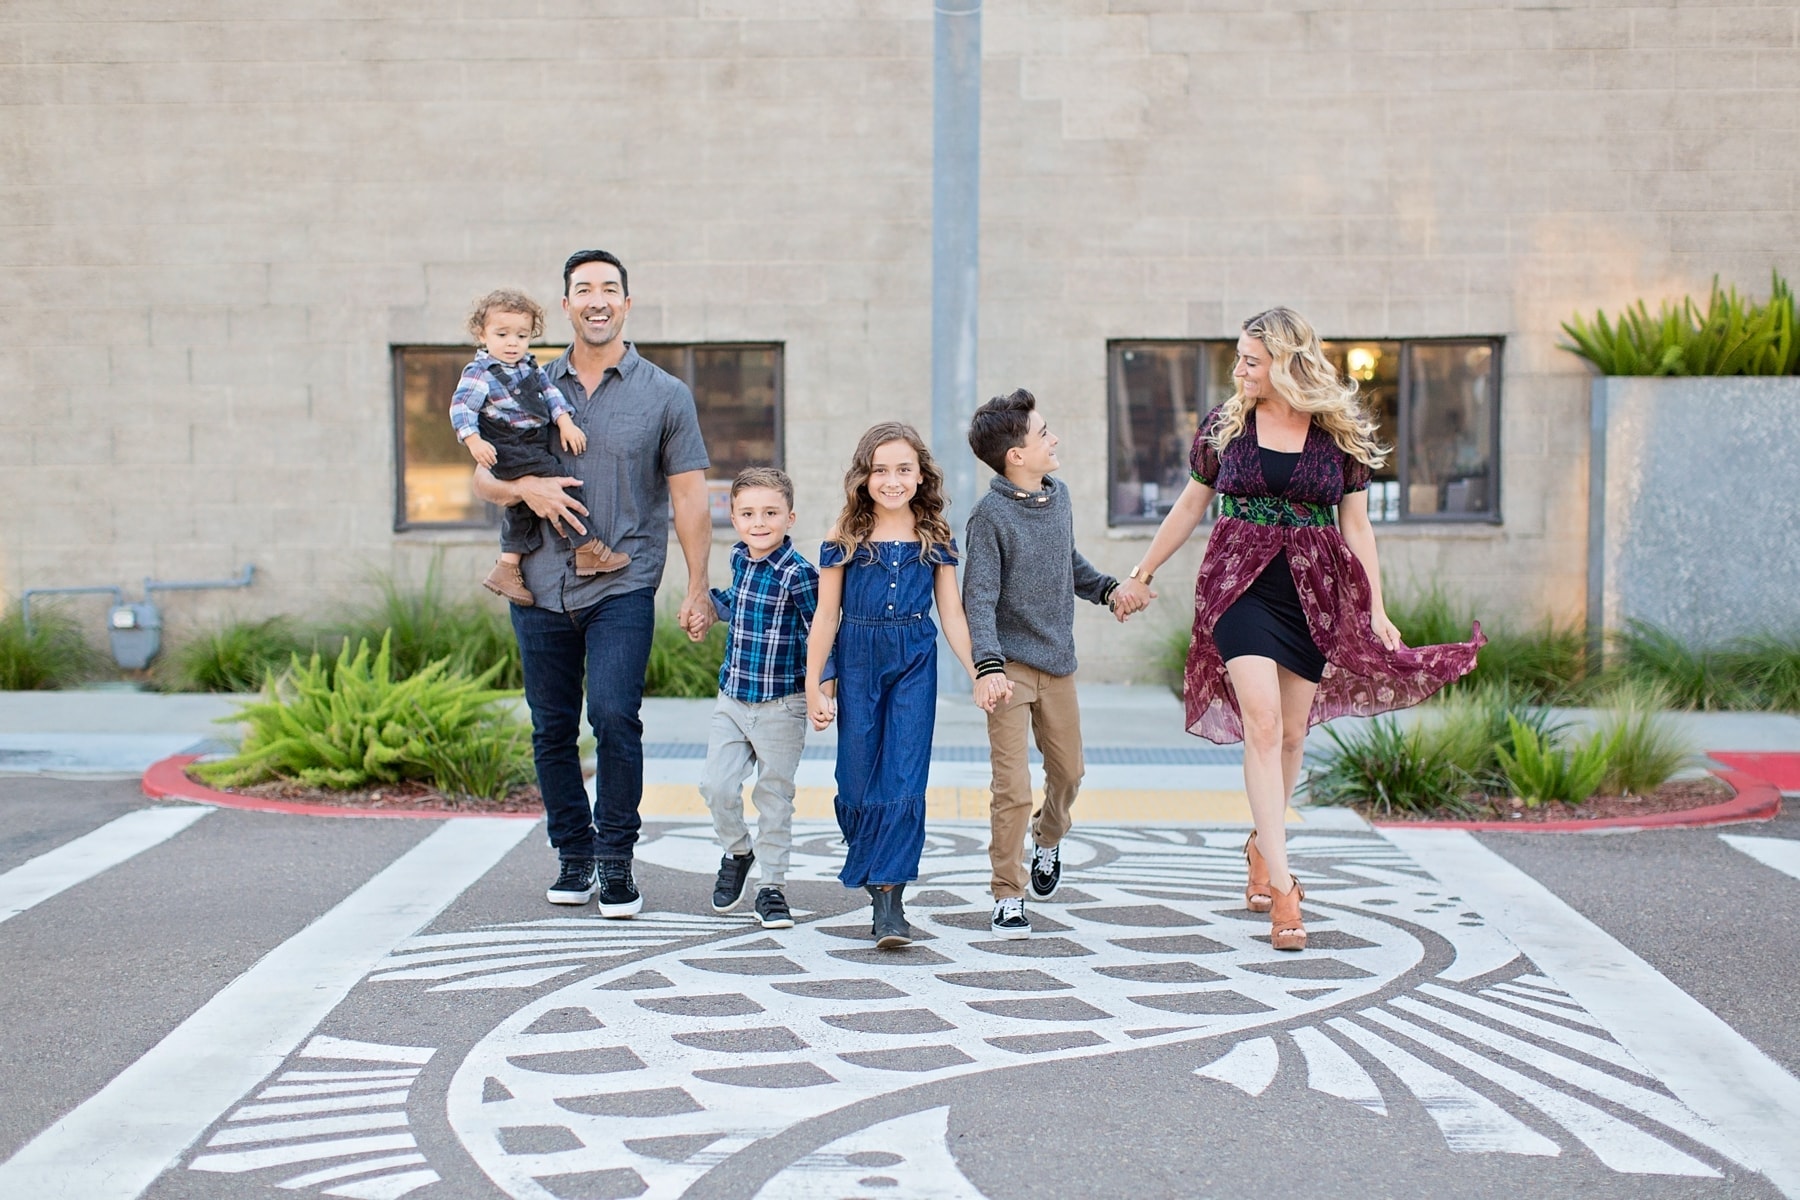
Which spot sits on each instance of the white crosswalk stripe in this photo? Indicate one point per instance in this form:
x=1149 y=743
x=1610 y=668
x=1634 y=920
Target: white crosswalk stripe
x=33 y=882
x=1780 y=854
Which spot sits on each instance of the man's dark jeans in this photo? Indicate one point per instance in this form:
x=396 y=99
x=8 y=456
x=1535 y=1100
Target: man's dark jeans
x=610 y=641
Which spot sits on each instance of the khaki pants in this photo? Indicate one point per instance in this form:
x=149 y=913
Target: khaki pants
x=768 y=738
x=1044 y=705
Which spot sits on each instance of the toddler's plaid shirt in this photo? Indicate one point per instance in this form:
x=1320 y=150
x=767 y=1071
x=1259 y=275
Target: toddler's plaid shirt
x=768 y=613
x=477 y=393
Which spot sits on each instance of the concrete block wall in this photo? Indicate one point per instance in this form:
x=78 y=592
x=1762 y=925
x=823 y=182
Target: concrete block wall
x=218 y=218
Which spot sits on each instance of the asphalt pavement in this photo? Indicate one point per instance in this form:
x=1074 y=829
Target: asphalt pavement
x=205 y=1002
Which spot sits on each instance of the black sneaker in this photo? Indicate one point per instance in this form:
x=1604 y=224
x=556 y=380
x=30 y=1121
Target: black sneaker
x=1009 y=922
x=1046 y=870
x=772 y=909
x=618 y=894
x=733 y=881
x=575 y=885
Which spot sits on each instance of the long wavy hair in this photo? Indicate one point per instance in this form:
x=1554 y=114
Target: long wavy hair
x=1305 y=378
x=851 y=531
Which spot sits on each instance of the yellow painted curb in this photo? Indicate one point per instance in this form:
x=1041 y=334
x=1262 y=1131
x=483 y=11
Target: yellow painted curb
x=971 y=803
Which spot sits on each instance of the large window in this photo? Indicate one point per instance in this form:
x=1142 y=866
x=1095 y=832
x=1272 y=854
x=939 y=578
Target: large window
x=737 y=389
x=1437 y=402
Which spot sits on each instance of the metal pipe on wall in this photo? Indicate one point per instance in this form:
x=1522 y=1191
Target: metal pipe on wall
x=955 y=260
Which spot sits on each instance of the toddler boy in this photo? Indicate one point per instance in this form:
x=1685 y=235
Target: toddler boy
x=1021 y=575
x=760 y=719
x=502 y=411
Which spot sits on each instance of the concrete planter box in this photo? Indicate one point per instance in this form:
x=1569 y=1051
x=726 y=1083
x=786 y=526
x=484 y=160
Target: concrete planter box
x=1694 y=505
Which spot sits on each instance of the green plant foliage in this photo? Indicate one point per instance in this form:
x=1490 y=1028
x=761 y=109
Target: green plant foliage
x=1170 y=661
x=1707 y=679
x=1540 y=770
x=1546 y=663
x=1647 y=749
x=1767 y=666
x=1472 y=726
x=52 y=655
x=237 y=657
x=424 y=625
x=1733 y=336
x=356 y=725
x=1391 y=769
x=683 y=668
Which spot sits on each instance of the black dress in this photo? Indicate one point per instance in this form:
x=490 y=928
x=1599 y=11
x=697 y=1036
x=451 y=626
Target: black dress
x=1267 y=620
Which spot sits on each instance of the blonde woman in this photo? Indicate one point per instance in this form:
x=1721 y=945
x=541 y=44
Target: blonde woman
x=1289 y=627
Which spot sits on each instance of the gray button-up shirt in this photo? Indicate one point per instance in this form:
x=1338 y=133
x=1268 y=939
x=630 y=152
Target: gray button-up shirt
x=641 y=428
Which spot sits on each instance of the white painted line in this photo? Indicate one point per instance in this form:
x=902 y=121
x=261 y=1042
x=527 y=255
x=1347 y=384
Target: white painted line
x=240 y=1161
x=115 y=1145
x=1331 y=1071
x=294 y=1108
x=294 y=1131
x=36 y=880
x=362 y=1167
x=1250 y=1066
x=330 y=1047
x=1469 y=1121
x=1709 y=1065
x=1781 y=854
x=385 y=1187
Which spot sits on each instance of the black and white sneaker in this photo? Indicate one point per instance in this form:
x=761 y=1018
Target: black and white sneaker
x=1009 y=922
x=772 y=909
x=733 y=881
x=1046 y=870
x=618 y=894
x=575 y=885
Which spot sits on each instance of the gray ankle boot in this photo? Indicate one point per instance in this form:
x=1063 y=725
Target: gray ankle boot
x=890 y=928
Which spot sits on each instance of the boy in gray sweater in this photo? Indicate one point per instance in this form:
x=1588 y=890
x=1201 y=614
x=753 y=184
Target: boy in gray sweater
x=1021 y=576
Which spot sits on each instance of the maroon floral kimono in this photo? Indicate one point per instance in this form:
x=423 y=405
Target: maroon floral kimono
x=1362 y=676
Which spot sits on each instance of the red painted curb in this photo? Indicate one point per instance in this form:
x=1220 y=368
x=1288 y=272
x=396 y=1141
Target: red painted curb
x=1781 y=769
x=1756 y=800
x=168 y=780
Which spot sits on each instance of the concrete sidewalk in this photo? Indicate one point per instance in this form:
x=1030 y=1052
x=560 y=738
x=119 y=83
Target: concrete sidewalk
x=1142 y=764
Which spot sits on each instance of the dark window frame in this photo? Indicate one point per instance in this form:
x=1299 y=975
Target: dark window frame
x=490 y=519
x=1402 y=450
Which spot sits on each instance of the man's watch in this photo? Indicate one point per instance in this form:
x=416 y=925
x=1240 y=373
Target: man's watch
x=1138 y=573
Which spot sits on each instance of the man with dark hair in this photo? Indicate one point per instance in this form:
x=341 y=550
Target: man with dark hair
x=1021 y=577
x=590 y=634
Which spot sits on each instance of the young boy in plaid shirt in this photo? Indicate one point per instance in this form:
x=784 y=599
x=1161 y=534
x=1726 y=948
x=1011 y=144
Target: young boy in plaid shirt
x=760 y=720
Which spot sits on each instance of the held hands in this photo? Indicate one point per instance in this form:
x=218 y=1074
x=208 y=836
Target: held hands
x=820 y=708
x=696 y=614
x=992 y=691
x=1386 y=632
x=480 y=449
x=573 y=440
x=1131 y=596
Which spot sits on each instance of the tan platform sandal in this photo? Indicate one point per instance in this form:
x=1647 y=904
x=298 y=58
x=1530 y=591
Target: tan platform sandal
x=597 y=558
x=1256 y=893
x=1285 y=930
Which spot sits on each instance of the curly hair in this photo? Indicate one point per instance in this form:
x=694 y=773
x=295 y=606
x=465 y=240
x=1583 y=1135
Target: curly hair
x=1305 y=378
x=506 y=300
x=851 y=531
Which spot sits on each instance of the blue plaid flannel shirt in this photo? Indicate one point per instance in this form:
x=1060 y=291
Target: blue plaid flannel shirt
x=768 y=613
x=476 y=395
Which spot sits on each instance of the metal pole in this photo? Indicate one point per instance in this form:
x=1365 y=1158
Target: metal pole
x=955 y=261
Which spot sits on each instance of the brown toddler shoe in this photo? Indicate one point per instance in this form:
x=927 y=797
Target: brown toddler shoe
x=506 y=580
x=597 y=558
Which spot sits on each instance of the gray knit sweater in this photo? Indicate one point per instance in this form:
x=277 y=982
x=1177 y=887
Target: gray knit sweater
x=1021 y=574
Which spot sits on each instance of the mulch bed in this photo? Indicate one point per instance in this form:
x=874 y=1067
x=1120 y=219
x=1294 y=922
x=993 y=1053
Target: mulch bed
x=1670 y=797
x=409 y=796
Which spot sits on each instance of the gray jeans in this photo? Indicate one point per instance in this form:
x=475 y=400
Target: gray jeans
x=769 y=737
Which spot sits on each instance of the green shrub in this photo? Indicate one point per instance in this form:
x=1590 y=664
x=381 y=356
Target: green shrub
x=1472 y=726
x=1170 y=661
x=1539 y=770
x=1390 y=769
x=356 y=725
x=237 y=657
x=1643 y=655
x=1647 y=749
x=52 y=655
x=425 y=625
x=680 y=667
x=1767 y=666
x=1548 y=663
x=1734 y=336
